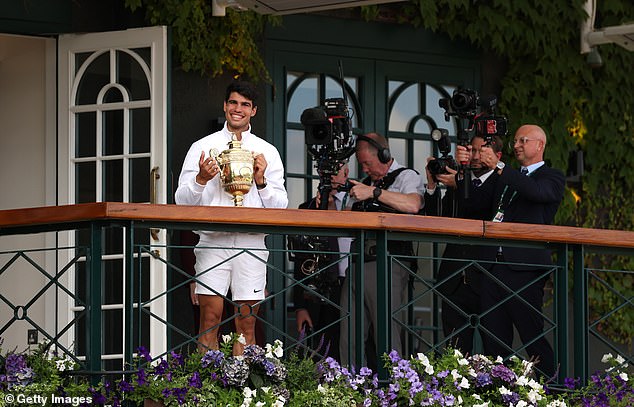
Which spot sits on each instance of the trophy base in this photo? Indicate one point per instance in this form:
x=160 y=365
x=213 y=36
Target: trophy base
x=238 y=199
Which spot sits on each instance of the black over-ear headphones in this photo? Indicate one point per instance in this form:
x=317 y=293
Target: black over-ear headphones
x=383 y=153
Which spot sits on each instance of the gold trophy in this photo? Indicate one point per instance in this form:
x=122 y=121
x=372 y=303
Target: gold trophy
x=236 y=169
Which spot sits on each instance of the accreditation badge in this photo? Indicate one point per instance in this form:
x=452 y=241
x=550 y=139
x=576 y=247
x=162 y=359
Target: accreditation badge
x=499 y=216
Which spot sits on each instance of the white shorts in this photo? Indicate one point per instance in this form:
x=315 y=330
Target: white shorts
x=231 y=260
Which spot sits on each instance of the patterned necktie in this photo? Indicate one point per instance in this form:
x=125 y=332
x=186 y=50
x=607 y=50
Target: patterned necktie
x=524 y=171
x=476 y=182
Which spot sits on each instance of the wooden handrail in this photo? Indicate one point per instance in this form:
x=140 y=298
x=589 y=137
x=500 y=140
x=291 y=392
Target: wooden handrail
x=51 y=215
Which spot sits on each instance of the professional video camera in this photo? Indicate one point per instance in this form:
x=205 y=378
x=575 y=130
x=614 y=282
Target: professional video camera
x=476 y=117
x=328 y=135
x=311 y=253
x=446 y=160
x=465 y=104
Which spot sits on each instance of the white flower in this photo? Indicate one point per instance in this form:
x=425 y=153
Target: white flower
x=463 y=362
x=521 y=403
x=226 y=338
x=279 y=402
x=499 y=359
x=619 y=359
x=486 y=404
x=534 y=396
x=503 y=390
x=464 y=383
x=423 y=358
x=556 y=403
x=246 y=402
x=260 y=404
x=265 y=389
x=472 y=372
x=429 y=369
x=534 y=385
x=321 y=389
x=242 y=340
x=248 y=393
x=457 y=353
x=455 y=375
x=60 y=365
x=623 y=376
x=607 y=357
x=477 y=397
x=522 y=381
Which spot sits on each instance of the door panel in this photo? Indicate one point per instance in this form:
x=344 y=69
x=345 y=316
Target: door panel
x=112 y=138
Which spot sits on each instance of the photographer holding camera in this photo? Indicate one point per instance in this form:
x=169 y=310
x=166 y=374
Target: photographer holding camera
x=313 y=312
x=529 y=195
x=459 y=283
x=388 y=187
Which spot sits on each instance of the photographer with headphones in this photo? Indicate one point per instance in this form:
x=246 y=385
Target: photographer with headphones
x=388 y=187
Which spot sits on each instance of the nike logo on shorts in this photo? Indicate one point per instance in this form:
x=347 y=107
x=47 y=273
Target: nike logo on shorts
x=256 y=291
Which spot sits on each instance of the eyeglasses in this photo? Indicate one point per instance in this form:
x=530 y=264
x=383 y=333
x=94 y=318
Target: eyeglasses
x=522 y=141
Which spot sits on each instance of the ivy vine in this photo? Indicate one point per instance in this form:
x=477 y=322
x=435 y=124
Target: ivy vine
x=548 y=82
x=207 y=44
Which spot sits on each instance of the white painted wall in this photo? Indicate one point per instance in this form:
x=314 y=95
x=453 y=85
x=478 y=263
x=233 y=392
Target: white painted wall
x=23 y=175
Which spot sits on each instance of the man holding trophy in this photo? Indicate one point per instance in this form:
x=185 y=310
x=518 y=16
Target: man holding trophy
x=250 y=173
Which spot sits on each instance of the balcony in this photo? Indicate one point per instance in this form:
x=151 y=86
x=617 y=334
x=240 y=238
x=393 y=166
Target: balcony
x=92 y=279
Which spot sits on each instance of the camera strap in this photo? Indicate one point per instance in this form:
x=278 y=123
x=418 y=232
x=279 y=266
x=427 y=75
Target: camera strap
x=384 y=183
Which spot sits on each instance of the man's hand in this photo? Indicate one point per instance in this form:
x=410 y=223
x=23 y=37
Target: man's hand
x=449 y=179
x=360 y=191
x=488 y=157
x=463 y=154
x=259 y=166
x=207 y=169
x=302 y=316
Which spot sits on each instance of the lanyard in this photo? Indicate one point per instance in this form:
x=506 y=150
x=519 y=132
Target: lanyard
x=506 y=187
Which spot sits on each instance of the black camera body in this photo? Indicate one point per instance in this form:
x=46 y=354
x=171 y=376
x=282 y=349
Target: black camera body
x=327 y=123
x=311 y=254
x=446 y=160
x=465 y=104
x=463 y=101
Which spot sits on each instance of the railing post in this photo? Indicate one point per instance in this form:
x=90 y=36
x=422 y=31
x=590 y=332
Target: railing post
x=358 y=337
x=128 y=303
x=562 y=310
x=383 y=302
x=94 y=346
x=580 y=297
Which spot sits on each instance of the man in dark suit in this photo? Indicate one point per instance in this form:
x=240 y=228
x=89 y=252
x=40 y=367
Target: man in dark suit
x=459 y=280
x=529 y=195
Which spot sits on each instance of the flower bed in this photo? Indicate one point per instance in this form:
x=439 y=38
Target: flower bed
x=264 y=377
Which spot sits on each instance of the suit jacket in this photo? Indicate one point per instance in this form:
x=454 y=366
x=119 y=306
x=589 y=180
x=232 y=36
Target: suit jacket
x=455 y=205
x=528 y=199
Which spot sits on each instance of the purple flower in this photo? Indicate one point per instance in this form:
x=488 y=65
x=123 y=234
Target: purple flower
x=125 y=387
x=504 y=373
x=144 y=353
x=394 y=356
x=483 y=379
x=141 y=378
x=195 y=381
x=212 y=358
x=571 y=383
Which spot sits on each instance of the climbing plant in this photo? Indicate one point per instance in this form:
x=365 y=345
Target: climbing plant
x=547 y=82
x=208 y=44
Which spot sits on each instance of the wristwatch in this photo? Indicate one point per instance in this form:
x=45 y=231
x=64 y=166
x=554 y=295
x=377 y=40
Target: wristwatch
x=499 y=167
x=377 y=193
x=262 y=185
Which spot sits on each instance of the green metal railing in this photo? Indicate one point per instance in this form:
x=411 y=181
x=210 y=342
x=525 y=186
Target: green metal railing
x=574 y=353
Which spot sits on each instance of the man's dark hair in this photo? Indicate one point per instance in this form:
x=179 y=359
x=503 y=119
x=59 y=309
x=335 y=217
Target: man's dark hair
x=243 y=88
